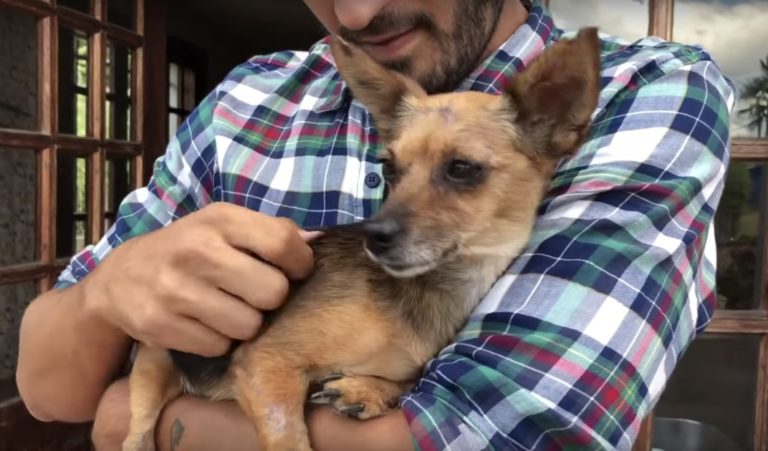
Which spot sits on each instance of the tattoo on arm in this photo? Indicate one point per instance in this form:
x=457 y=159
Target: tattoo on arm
x=177 y=431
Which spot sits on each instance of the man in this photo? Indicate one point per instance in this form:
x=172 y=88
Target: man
x=570 y=349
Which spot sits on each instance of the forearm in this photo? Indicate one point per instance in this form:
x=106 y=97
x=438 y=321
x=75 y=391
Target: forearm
x=191 y=423
x=68 y=356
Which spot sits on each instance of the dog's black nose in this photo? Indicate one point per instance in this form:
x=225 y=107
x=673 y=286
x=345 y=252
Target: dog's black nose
x=382 y=235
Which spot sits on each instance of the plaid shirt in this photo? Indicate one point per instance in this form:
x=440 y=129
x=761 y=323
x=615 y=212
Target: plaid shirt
x=574 y=344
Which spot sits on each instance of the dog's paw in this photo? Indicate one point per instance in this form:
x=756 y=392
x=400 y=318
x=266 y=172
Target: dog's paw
x=361 y=397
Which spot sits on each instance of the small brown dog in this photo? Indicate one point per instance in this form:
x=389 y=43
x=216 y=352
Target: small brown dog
x=467 y=172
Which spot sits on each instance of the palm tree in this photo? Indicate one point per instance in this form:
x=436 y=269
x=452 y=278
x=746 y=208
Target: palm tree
x=756 y=92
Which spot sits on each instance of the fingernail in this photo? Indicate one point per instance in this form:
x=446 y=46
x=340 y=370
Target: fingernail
x=307 y=235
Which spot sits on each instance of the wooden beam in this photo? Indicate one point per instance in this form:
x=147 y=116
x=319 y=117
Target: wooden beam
x=45 y=77
x=138 y=79
x=122 y=147
x=124 y=36
x=38 y=8
x=23 y=273
x=78 y=143
x=645 y=436
x=749 y=149
x=761 y=398
x=739 y=322
x=661 y=18
x=155 y=119
x=45 y=205
x=78 y=20
x=23 y=139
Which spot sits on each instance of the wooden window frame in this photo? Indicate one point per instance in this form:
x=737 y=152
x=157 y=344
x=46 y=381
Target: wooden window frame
x=47 y=141
x=146 y=42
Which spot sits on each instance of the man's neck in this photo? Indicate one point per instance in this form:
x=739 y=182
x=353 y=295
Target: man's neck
x=512 y=17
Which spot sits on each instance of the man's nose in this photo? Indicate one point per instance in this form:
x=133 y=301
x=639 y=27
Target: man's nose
x=357 y=14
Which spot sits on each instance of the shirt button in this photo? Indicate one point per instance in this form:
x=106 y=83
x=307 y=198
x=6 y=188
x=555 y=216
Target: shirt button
x=372 y=180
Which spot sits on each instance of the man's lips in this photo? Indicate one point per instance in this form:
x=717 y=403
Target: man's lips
x=383 y=39
x=390 y=46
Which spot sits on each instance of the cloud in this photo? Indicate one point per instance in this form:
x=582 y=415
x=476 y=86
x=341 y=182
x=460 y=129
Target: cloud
x=625 y=18
x=733 y=31
x=736 y=35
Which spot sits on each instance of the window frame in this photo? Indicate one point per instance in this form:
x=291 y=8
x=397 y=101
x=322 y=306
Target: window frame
x=46 y=139
x=47 y=143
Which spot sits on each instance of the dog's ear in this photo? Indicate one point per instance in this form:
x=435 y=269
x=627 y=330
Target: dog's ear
x=383 y=92
x=556 y=95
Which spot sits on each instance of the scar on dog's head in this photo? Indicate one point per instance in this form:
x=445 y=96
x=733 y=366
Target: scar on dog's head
x=467 y=171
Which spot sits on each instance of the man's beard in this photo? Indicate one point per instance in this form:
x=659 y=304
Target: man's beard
x=460 y=49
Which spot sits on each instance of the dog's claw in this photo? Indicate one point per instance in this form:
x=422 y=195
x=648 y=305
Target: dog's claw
x=352 y=411
x=325 y=396
x=330 y=378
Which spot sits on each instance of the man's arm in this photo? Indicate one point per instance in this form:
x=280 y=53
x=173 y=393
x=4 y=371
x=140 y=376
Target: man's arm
x=190 y=424
x=573 y=347
x=68 y=356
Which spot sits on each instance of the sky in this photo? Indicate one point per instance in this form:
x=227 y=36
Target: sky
x=735 y=32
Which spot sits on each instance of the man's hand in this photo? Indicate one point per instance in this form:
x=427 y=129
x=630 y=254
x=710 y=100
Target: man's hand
x=202 y=281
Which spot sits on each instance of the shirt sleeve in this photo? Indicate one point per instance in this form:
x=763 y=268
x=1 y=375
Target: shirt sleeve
x=183 y=181
x=575 y=343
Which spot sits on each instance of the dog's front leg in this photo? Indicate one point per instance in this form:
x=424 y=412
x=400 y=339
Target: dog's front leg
x=153 y=382
x=271 y=388
x=361 y=397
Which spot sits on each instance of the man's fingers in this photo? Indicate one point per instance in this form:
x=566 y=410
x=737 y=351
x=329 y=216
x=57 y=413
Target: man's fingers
x=189 y=335
x=309 y=236
x=222 y=312
x=275 y=240
x=259 y=284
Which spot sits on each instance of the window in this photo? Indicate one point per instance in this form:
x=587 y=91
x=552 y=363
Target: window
x=181 y=95
x=718 y=392
x=627 y=19
x=69 y=146
x=187 y=65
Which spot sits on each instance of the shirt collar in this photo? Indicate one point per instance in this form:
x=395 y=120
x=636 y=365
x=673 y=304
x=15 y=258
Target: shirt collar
x=525 y=44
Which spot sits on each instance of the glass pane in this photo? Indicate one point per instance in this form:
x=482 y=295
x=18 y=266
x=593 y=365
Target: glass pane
x=173 y=124
x=13 y=300
x=740 y=217
x=80 y=5
x=71 y=204
x=18 y=70
x=73 y=82
x=627 y=19
x=118 y=173
x=120 y=12
x=736 y=35
x=79 y=235
x=714 y=389
x=174 y=83
x=18 y=206
x=118 y=96
x=189 y=90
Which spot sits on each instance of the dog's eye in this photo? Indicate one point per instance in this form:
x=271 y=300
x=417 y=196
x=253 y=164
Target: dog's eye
x=464 y=172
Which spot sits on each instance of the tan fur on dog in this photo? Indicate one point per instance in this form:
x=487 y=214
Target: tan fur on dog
x=467 y=172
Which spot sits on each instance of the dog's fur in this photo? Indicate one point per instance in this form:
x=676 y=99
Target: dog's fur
x=466 y=172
